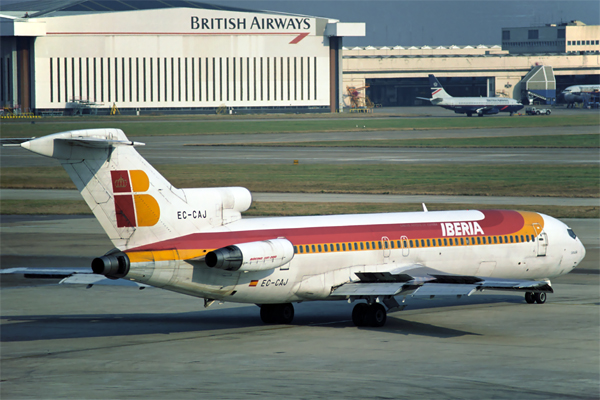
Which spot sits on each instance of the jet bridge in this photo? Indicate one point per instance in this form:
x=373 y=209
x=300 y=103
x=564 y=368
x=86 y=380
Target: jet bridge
x=539 y=84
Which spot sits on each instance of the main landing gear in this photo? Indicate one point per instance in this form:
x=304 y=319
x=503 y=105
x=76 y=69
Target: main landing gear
x=373 y=315
x=277 y=313
x=531 y=297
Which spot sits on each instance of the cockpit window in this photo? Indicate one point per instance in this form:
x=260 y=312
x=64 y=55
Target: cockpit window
x=571 y=233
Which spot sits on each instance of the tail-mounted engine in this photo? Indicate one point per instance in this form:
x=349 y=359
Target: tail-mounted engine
x=252 y=256
x=113 y=265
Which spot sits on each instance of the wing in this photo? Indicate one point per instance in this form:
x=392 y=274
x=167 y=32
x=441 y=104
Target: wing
x=81 y=276
x=420 y=281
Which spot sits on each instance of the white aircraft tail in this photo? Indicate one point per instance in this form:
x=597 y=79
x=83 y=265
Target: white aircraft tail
x=133 y=202
x=437 y=91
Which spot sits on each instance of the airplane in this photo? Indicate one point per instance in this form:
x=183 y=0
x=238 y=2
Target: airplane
x=195 y=242
x=580 y=93
x=469 y=105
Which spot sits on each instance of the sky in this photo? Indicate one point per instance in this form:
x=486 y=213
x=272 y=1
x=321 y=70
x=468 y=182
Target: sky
x=433 y=22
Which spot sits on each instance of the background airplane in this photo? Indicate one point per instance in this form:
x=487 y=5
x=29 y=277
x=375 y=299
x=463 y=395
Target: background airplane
x=470 y=105
x=581 y=94
x=195 y=242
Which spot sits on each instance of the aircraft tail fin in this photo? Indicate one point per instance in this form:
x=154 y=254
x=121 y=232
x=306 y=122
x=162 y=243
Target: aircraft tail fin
x=437 y=91
x=133 y=202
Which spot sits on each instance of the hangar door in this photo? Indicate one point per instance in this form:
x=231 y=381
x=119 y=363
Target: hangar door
x=401 y=92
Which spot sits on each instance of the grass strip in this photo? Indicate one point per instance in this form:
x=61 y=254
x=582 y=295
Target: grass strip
x=590 y=140
x=203 y=127
x=581 y=180
x=267 y=209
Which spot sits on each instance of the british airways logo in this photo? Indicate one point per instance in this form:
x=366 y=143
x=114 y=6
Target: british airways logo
x=461 y=229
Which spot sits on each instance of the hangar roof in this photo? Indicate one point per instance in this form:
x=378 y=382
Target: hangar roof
x=53 y=8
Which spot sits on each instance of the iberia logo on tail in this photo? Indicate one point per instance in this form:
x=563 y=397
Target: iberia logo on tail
x=132 y=206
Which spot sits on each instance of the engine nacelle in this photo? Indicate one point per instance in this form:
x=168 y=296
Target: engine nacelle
x=112 y=265
x=252 y=256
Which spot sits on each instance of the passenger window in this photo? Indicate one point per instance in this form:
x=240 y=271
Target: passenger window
x=495 y=240
x=313 y=248
x=355 y=246
x=478 y=240
x=295 y=250
x=422 y=243
x=362 y=246
x=404 y=243
x=416 y=243
x=462 y=242
x=368 y=246
x=301 y=249
x=505 y=239
x=411 y=243
x=439 y=242
x=499 y=239
x=445 y=242
x=455 y=241
x=522 y=239
x=344 y=246
x=378 y=244
x=428 y=243
x=319 y=247
x=373 y=245
x=467 y=240
x=385 y=244
x=337 y=246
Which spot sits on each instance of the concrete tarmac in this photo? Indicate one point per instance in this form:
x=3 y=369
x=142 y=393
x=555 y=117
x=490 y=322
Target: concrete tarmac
x=62 y=341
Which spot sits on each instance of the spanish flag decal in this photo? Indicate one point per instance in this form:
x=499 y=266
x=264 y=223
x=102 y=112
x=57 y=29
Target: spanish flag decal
x=253 y=283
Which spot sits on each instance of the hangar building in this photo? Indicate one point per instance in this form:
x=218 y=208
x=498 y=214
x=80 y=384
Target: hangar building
x=167 y=55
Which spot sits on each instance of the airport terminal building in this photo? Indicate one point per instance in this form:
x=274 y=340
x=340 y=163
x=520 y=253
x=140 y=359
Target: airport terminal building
x=168 y=55
x=186 y=56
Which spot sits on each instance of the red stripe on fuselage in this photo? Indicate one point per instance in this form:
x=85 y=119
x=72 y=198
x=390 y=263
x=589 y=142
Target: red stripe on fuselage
x=495 y=222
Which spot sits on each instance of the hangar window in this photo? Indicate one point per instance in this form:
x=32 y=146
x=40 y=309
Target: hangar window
x=51 y=80
x=505 y=35
x=533 y=34
x=137 y=79
x=206 y=76
x=261 y=79
x=301 y=78
x=295 y=80
x=268 y=78
x=315 y=78
x=254 y=76
x=108 y=81
x=288 y=79
x=158 y=79
x=560 y=34
x=220 y=79
x=308 y=78
x=281 y=77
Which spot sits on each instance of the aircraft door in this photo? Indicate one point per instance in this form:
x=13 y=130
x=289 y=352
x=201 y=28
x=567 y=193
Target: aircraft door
x=385 y=241
x=542 y=244
x=404 y=244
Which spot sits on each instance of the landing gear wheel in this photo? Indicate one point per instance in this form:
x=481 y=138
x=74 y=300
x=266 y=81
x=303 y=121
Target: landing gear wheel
x=540 y=298
x=359 y=313
x=480 y=114
x=277 y=313
x=548 y=112
x=511 y=113
x=376 y=315
x=285 y=313
x=530 y=297
x=267 y=313
x=469 y=114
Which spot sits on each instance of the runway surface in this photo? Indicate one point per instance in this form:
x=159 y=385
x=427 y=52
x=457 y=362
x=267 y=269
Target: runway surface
x=43 y=194
x=114 y=343
x=176 y=149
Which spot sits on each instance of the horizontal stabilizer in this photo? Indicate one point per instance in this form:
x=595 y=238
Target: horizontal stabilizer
x=94 y=279
x=100 y=143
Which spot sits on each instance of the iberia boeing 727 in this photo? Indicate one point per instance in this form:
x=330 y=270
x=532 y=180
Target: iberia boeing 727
x=195 y=242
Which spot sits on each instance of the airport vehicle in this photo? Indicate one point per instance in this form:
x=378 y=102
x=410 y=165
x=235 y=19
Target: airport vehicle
x=470 y=105
x=195 y=242
x=537 y=111
x=581 y=94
